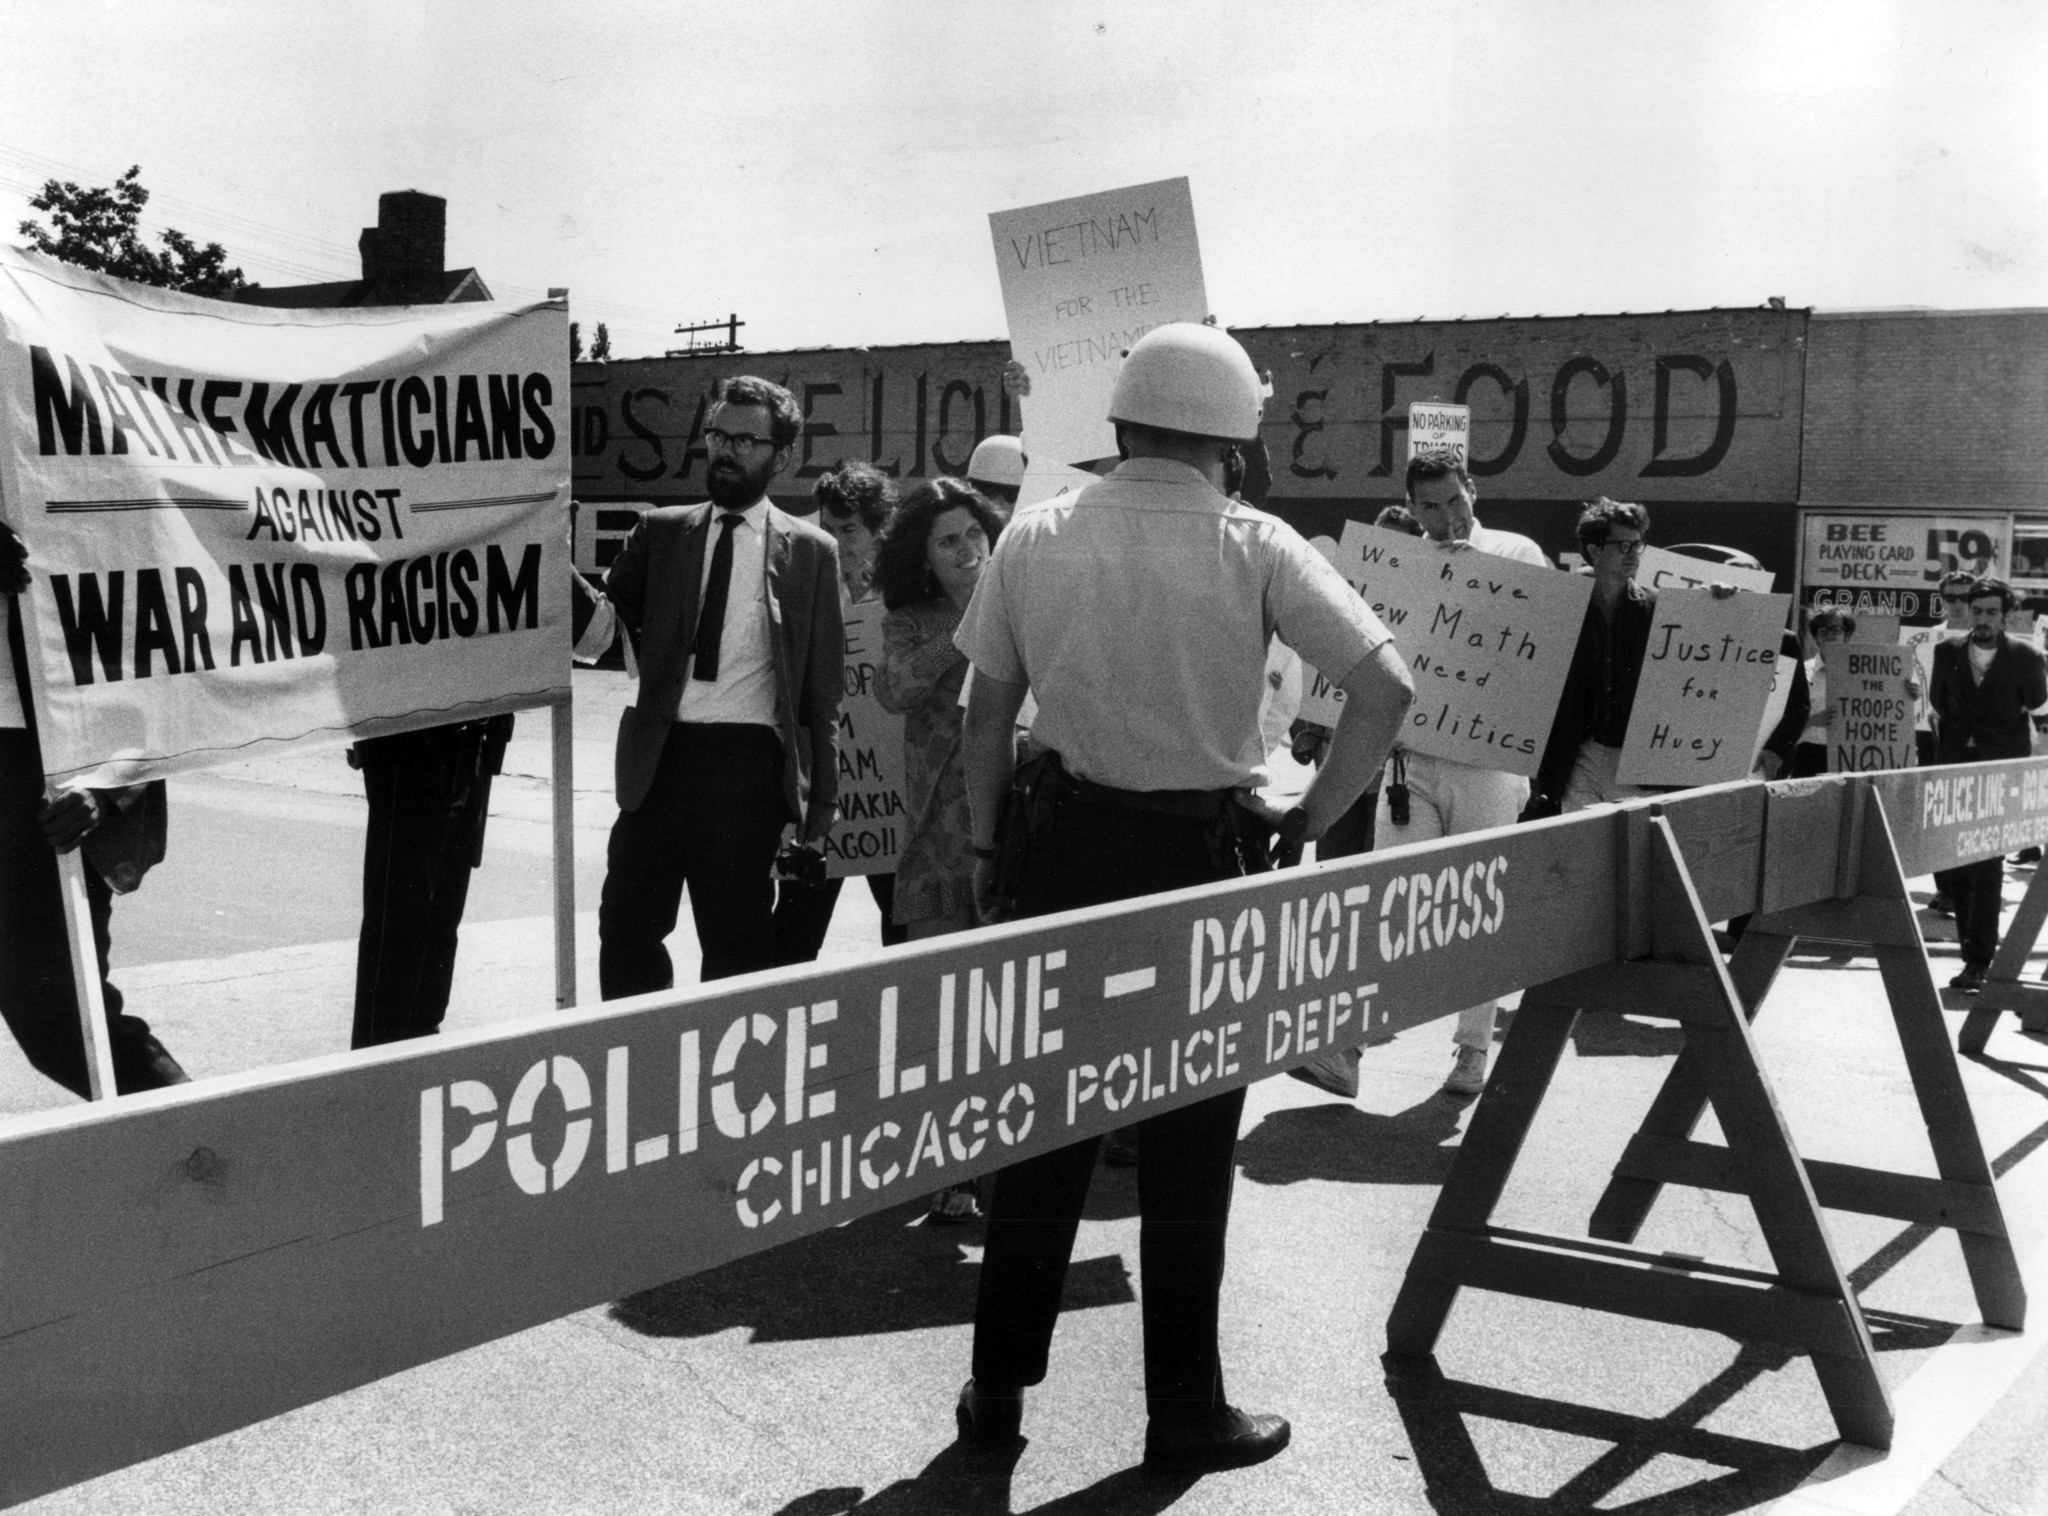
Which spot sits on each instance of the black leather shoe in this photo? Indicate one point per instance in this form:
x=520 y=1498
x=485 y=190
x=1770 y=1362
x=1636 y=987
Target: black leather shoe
x=989 y=1418
x=1969 y=981
x=146 y=1064
x=1228 y=1439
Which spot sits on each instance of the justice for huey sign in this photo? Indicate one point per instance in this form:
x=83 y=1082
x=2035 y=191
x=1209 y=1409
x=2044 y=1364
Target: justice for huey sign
x=1707 y=676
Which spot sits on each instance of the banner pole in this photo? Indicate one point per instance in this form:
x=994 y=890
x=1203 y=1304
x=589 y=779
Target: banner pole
x=85 y=975
x=563 y=715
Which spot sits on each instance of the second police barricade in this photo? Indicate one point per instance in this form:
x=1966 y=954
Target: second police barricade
x=182 y=1263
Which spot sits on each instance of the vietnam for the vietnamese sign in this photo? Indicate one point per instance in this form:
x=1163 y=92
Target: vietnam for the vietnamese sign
x=869 y=833
x=1082 y=280
x=254 y=529
x=1873 y=721
x=1487 y=640
x=1706 y=679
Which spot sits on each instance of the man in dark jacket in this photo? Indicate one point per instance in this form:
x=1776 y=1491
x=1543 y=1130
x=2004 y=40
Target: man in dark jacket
x=37 y=997
x=1583 y=755
x=1985 y=689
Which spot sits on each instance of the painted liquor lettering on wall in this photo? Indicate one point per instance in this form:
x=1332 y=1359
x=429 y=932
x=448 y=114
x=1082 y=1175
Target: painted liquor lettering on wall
x=638 y=426
x=1698 y=405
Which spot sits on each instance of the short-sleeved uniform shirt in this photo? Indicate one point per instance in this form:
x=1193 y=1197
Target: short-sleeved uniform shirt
x=1139 y=613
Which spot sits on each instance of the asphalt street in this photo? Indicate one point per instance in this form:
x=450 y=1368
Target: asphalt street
x=818 y=1379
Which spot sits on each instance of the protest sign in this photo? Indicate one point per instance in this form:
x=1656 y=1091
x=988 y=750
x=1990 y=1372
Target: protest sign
x=869 y=833
x=1082 y=280
x=1876 y=626
x=1487 y=640
x=1048 y=481
x=1434 y=427
x=254 y=530
x=1662 y=569
x=1706 y=680
x=1774 y=707
x=1873 y=712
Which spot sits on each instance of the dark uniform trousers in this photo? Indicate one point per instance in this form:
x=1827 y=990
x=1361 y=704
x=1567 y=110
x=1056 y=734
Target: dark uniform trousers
x=429 y=794
x=712 y=820
x=36 y=995
x=1186 y=1163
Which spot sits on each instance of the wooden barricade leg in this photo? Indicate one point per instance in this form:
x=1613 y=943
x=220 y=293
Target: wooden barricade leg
x=1625 y=1204
x=1807 y=1306
x=2002 y=988
x=1875 y=911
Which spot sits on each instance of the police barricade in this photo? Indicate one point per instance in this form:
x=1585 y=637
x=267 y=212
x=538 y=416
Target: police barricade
x=185 y=1262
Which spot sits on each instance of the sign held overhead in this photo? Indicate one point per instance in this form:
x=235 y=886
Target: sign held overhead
x=1082 y=280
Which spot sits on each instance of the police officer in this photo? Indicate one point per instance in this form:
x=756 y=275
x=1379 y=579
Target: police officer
x=1139 y=611
x=997 y=470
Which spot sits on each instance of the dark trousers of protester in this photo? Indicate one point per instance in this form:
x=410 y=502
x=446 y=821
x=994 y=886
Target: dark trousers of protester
x=1978 y=890
x=429 y=794
x=803 y=915
x=1185 y=1165
x=37 y=998
x=712 y=820
x=1809 y=760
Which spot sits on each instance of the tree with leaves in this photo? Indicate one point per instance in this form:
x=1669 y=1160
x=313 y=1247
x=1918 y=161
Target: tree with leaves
x=601 y=344
x=99 y=228
x=575 y=342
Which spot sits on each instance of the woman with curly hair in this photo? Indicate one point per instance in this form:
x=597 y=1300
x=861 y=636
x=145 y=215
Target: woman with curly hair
x=930 y=555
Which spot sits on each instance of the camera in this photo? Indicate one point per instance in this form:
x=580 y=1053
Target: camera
x=1397 y=803
x=801 y=866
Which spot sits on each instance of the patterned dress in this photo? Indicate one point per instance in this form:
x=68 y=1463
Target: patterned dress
x=920 y=680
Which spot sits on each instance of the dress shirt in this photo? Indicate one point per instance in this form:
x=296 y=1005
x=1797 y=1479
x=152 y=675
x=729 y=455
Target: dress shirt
x=745 y=687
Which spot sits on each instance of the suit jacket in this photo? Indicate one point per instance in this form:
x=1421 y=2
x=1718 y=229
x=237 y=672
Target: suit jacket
x=655 y=584
x=1978 y=721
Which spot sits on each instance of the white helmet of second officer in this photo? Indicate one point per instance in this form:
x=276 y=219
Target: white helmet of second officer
x=1185 y=377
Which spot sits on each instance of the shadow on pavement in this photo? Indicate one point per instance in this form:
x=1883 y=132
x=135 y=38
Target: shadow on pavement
x=1434 y=1410
x=879 y=1274
x=1602 y=1036
x=969 y=1481
x=1340 y=1142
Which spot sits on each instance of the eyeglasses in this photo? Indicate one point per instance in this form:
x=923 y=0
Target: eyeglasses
x=1955 y=599
x=717 y=441
x=1630 y=549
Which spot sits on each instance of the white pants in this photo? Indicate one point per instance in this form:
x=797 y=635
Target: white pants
x=1448 y=799
x=1593 y=782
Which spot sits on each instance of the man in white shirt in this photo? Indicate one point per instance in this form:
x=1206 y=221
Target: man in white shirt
x=1441 y=797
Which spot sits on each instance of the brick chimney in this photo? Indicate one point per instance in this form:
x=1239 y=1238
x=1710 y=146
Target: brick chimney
x=409 y=240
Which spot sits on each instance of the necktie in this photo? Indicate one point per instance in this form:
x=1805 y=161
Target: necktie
x=711 y=617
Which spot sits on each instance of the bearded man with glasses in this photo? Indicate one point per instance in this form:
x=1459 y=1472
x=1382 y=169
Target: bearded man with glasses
x=734 y=606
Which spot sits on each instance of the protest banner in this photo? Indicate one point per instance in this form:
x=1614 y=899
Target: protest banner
x=1082 y=280
x=1876 y=626
x=1488 y=641
x=1706 y=682
x=869 y=833
x=1434 y=427
x=256 y=530
x=1873 y=711
x=1662 y=569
